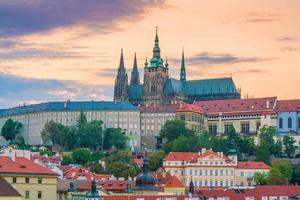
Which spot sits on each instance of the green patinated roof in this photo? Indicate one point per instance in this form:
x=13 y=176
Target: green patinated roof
x=173 y=86
x=136 y=92
x=210 y=86
x=69 y=106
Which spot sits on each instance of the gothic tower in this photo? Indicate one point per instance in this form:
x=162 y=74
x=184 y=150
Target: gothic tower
x=182 y=70
x=156 y=73
x=121 y=83
x=135 y=77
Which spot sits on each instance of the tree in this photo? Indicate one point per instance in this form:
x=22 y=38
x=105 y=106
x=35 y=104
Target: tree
x=66 y=160
x=122 y=156
x=260 y=178
x=247 y=145
x=52 y=132
x=173 y=129
x=266 y=137
x=278 y=148
x=81 y=156
x=280 y=173
x=289 y=144
x=11 y=129
x=90 y=135
x=82 y=119
x=263 y=153
x=186 y=144
x=156 y=160
x=114 y=137
x=121 y=169
x=69 y=138
x=204 y=140
x=220 y=144
x=297 y=174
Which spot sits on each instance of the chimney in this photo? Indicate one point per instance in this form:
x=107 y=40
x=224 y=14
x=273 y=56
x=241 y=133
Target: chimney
x=221 y=153
x=268 y=104
x=203 y=150
x=12 y=155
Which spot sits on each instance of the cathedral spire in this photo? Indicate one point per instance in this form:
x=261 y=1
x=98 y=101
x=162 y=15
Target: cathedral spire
x=156 y=48
x=135 y=77
x=182 y=69
x=121 y=83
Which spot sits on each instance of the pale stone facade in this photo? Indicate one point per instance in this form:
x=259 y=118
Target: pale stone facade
x=34 y=122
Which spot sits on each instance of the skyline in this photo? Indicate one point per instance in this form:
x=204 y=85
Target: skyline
x=73 y=53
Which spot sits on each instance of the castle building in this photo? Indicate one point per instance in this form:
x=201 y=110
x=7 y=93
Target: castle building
x=159 y=88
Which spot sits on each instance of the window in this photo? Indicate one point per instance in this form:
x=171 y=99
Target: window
x=289 y=122
x=299 y=122
x=228 y=128
x=27 y=196
x=14 y=179
x=26 y=180
x=40 y=181
x=39 y=194
x=212 y=129
x=182 y=117
x=242 y=174
x=280 y=122
x=257 y=126
x=245 y=128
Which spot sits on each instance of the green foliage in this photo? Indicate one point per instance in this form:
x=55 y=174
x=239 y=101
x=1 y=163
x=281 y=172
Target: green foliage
x=280 y=173
x=51 y=134
x=121 y=169
x=297 y=173
x=96 y=156
x=266 y=137
x=97 y=168
x=156 y=160
x=289 y=144
x=67 y=160
x=263 y=153
x=11 y=129
x=81 y=156
x=90 y=135
x=220 y=144
x=49 y=153
x=261 y=178
x=69 y=138
x=204 y=140
x=82 y=119
x=278 y=148
x=186 y=144
x=173 y=129
x=114 y=137
x=122 y=156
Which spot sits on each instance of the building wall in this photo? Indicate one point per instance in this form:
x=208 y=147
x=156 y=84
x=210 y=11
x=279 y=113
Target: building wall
x=295 y=122
x=10 y=198
x=255 y=122
x=33 y=123
x=48 y=186
x=194 y=121
x=244 y=177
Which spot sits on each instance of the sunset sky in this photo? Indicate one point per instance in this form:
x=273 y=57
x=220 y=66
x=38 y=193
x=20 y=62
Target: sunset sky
x=54 y=50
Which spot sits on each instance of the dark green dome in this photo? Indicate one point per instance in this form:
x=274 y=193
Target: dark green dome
x=145 y=181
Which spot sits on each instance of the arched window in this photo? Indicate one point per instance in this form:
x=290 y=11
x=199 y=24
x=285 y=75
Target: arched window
x=280 y=122
x=289 y=122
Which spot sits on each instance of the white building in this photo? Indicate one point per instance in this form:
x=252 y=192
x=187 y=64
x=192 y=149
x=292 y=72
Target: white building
x=113 y=114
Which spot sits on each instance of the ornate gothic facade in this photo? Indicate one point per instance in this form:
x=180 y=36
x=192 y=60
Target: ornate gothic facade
x=159 y=88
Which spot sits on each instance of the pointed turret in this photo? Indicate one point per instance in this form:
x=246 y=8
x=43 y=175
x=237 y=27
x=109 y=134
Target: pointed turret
x=182 y=69
x=135 y=77
x=156 y=48
x=121 y=83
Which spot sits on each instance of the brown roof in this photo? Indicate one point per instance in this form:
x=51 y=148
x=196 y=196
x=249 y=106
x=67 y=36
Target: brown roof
x=6 y=190
x=288 y=105
x=252 y=165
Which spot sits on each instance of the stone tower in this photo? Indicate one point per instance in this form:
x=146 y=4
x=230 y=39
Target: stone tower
x=156 y=73
x=135 y=77
x=121 y=83
x=182 y=70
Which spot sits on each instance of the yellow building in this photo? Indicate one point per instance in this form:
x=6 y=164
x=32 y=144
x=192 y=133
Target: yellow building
x=174 y=186
x=212 y=169
x=31 y=180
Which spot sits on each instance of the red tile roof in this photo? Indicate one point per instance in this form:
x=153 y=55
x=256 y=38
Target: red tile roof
x=238 y=106
x=174 y=182
x=180 y=107
x=252 y=165
x=138 y=161
x=288 y=105
x=190 y=156
x=46 y=159
x=22 y=165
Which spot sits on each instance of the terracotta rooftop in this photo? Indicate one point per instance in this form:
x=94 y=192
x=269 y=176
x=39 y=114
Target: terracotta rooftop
x=234 y=106
x=288 y=105
x=252 y=165
x=174 y=182
x=191 y=156
x=46 y=159
x=6 y=190
x=22 y=165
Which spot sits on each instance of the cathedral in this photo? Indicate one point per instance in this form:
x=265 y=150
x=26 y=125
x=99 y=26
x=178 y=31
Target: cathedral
x=158 y=88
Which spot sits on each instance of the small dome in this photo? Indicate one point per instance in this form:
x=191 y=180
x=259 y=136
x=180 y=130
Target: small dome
x=146 y=180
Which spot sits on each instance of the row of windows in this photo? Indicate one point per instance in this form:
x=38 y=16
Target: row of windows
x=27 y=180
x=222 y=183
x=211 y=172
x=245 y=128
x=27 y=195
x=289 y=122
x=208 y=163
x=250 y=174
